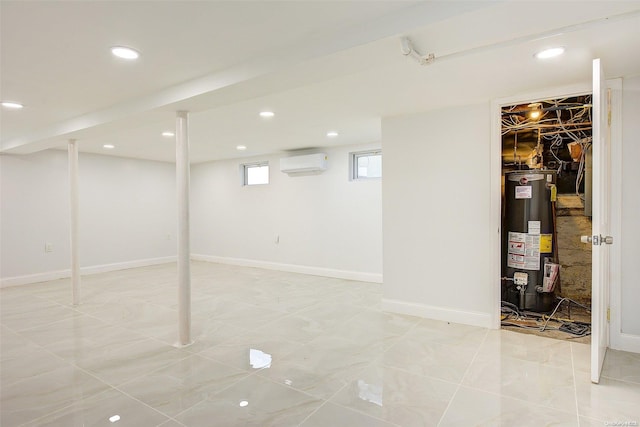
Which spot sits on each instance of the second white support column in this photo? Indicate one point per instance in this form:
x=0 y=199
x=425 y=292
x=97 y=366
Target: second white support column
x=74 y=221
x=184 y=247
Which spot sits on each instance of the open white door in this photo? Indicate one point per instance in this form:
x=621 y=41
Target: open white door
x=600 y=235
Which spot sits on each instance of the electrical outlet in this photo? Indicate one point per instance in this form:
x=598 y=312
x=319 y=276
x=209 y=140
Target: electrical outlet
x=48 y=247
x=168 y=236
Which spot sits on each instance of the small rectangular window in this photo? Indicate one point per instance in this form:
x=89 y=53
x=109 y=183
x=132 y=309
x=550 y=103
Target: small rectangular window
x=366 y=165
x=255 y=173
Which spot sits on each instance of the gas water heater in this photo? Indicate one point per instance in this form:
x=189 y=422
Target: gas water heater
x=529 y=235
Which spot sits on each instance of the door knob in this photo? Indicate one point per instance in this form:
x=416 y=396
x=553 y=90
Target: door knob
x=597 y=240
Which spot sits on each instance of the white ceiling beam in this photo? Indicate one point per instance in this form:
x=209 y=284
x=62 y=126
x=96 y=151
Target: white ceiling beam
x=319 y=45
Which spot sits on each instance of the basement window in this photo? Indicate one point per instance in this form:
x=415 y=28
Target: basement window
x=255 y=173
x=366 y=165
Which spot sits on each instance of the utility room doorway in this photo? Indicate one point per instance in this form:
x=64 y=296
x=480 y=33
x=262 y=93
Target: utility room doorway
x=546 y=208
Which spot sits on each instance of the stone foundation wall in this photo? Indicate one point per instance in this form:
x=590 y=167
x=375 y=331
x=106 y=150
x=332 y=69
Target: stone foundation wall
x=573 y=255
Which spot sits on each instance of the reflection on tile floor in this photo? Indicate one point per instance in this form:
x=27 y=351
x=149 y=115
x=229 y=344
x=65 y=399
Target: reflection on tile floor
x=282 y=349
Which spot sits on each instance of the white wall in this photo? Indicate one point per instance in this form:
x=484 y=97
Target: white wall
x=630 y=274
x=326 y=224
x=436 y=226
x=34 y=210
x=436 y=214
x=127 y=210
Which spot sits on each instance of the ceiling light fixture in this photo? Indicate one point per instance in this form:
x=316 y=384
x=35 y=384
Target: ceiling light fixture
x=108 y=146
x=168 y=134
x=241 y=147
x=550 y=53
x=267 y=114
x=125 y=52
x=12 y=105
x=332 y=134
x=536 y=110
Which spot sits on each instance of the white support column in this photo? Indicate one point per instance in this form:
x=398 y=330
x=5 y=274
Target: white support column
x=74 y=217
x=184 y=248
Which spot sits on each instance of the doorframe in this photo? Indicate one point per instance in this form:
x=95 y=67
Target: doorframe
x=496 y=187
x=617 y=339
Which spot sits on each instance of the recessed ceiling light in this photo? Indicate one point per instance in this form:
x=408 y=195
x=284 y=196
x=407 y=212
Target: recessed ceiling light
x=241 y=147
x=125 y=52
x=13 y=105
x=167 y=134
x=108 y=146
x=332 y=134
x=550 y=53
x=267 y=114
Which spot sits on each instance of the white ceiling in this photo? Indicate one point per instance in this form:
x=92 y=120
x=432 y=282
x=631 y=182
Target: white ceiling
x=319 y=65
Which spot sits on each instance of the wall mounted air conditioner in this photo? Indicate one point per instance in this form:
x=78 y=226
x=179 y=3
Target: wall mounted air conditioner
x=307 y=164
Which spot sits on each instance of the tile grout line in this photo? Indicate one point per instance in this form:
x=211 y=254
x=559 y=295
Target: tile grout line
x=429 y=377
x=55 y=411
x=403 y=335
x=358 y=411
x=325 y=401
x=510 y=396
x=466 y=372
x=575 y=385
x=110 y=387
x=633 y=383
x=328 y=401
x=527 y=402
x=95 y=377
x=72 y=365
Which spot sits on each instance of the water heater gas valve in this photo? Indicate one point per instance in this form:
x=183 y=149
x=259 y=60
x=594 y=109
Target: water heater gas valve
x=520 y=279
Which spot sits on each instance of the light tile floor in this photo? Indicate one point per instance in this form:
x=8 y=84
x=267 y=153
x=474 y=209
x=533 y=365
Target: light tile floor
x=282 y=349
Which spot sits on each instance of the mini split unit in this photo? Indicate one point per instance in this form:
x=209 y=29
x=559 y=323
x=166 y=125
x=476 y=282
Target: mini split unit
x=307 y=164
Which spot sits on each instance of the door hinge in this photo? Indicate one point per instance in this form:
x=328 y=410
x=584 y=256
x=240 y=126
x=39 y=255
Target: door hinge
x=608 y=314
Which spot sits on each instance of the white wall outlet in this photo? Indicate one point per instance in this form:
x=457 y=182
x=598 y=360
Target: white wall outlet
x=168 y=237
x=48 y=247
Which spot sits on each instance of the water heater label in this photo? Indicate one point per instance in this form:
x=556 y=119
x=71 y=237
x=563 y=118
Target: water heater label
x=523 y=192
x=534 y=227
x=524 y=251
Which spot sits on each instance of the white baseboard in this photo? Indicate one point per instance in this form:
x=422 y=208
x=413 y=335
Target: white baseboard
x=626 y=342
x=34 y=278
x=94 y=269
x=292 y=268
x=437 y=313
x=125 y=265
